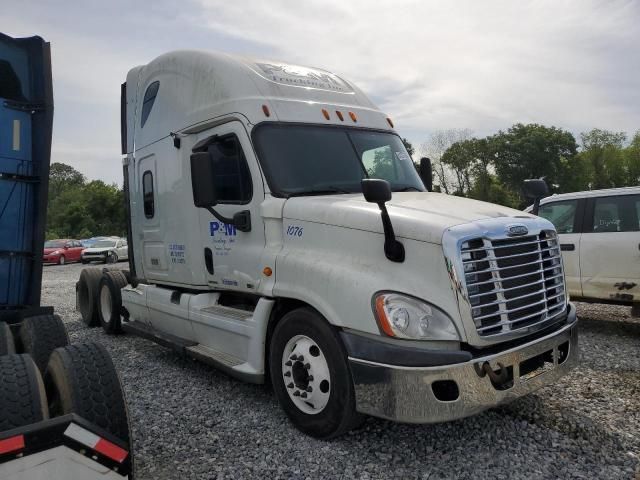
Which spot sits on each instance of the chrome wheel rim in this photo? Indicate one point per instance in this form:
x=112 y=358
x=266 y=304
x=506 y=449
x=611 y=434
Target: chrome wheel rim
x=306 y=376
x=105 y=304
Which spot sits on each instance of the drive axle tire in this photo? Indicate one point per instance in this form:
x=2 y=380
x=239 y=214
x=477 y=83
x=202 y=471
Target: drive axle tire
x=7 y=344
x=110 y=300
x=310 y=375
x=87 y=291
x=22 y=395
x=81 y=379
x=41 y=335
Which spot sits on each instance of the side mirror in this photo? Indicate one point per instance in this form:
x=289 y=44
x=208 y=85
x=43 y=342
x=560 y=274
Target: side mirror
x=426 y=173
x=202 y=180
x=379 y=191
x=535 y=189
x=376 y=190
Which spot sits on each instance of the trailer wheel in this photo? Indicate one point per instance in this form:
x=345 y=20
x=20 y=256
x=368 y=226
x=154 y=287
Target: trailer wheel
x=81 y=379
x=87 y=291
x=22 y=395
x=41 y=335
x=110 y=300
x=7 y=344
x=310 y=375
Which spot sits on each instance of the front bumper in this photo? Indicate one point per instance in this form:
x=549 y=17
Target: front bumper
x=411 y=394
x=51 y=258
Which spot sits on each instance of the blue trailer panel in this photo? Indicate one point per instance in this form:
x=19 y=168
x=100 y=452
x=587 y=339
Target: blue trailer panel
x=26 y=117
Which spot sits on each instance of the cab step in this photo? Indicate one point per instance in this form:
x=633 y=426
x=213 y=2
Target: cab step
x=165 y=339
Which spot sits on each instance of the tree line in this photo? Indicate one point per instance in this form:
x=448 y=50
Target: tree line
x=81 y=209
x=493 y=168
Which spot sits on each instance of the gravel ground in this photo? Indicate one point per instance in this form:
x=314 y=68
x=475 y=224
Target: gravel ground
x=192 y=422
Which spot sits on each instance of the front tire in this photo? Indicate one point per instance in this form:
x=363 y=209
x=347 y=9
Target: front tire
x=61 y=260
x=310 y=375
x=112 y=257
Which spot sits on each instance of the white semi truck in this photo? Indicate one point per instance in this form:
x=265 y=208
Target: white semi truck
x=279 y=230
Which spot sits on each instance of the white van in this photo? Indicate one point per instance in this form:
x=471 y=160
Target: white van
x=599 y=235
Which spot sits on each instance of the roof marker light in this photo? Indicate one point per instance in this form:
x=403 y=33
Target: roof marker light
x=266 y=111
x=325 y=113
x=11 y=444
x=339 y=114
x=353 y=116
x=389 y=122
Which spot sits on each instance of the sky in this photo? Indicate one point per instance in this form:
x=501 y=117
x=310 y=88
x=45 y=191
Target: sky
x=430 y=65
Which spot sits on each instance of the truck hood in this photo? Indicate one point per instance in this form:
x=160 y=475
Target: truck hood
x=422 y=216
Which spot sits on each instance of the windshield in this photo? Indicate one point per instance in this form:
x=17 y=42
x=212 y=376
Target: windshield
x=308 y=159
x=104 y=243
x=53 y=244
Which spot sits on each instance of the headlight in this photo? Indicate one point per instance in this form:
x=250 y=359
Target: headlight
x=402 y=316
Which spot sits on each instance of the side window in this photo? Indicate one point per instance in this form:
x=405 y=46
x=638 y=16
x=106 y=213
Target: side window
x=147 y=103
x=147 y=194
x=561 y=214
x=616 y=214
x=379 y=164
x=232 y=176
x=77 y=244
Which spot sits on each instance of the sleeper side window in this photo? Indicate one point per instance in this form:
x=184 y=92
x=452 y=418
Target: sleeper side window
x=231 y=173
x=147 y=103
x=147 y=194
x=561 y=214
x=616 y=214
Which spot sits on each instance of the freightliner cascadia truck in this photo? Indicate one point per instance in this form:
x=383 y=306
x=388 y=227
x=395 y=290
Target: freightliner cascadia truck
x=62 y=411
x=279 y=230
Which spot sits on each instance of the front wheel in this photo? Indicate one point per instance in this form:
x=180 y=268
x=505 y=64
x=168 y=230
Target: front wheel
x=310 y=375
x=112 y=257
x=62 y=260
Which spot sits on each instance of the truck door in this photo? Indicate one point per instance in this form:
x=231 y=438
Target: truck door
x=153 y=252
x=230 y=257
x=609 y=252
x=566 y=216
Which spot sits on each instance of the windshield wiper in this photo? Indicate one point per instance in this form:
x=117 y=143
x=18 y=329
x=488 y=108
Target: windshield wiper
x=407 y=189
x=318 y=191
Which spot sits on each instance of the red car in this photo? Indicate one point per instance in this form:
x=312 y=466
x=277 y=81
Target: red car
x=62 y=251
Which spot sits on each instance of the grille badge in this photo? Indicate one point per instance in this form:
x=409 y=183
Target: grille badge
x=517 y=230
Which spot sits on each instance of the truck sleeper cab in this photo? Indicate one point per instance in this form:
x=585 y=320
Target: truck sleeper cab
x=253 y=248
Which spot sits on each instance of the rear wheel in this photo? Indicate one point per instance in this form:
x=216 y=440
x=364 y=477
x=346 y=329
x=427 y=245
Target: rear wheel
x=22 y=395
x=110 y=300
x=7 y=344
x=81 y=379
x=61 y=260
x=310 y=375
x=87 y=292
x=41 y=335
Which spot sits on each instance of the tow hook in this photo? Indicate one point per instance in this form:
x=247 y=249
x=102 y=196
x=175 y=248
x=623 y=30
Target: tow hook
x=500 y=377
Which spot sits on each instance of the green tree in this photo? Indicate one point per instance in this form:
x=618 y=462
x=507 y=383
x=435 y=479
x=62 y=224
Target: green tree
x=62 y=177
x=531 y=151
x=632 y=160
x=602 y=153
x=408 y=146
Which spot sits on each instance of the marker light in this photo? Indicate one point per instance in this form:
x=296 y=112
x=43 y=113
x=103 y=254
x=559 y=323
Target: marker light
x=325 y=113
x=266 y=111
x=339 y=114
x=353 y=116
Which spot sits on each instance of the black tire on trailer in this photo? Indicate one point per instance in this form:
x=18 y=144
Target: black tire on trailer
x=7 y=343
x=88 y=295
x=41 y=335
x=110 y=300
x=22 y=395
x=82 y=379
x=310 y=375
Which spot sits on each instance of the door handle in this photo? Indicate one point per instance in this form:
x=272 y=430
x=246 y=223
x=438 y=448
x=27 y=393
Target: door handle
x=567 y=247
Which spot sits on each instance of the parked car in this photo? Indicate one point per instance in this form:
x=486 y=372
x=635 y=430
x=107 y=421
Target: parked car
x=62 y=251
x=108 y=250
x=599 y=235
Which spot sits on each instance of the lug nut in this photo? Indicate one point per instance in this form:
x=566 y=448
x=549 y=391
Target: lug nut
x=296 y=393
x=309 y=389
x=293 y=357
x=287 y=374
x=288 y=363
x=307 y=366
x=290 y=385
x=303 y=394
x=301 y=358
x=310 y=378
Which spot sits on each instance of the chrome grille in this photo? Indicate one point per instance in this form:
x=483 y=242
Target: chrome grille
x=513 y=283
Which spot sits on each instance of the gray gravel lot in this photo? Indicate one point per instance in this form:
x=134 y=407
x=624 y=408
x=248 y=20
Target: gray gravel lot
x=193 y=422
